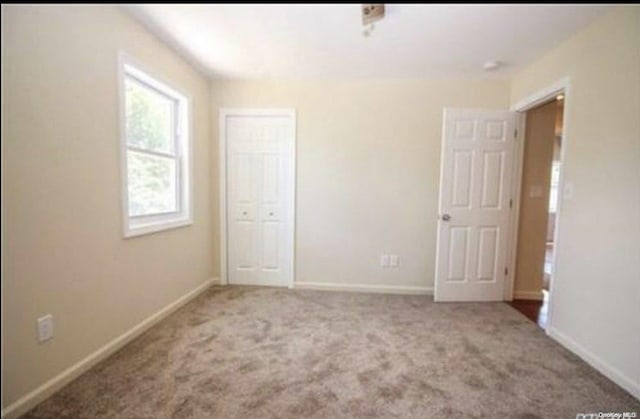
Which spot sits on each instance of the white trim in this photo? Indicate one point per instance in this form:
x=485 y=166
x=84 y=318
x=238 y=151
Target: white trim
x=528 y=295
x=542 y=95
x=440 y=186
x=561 y=86
x=292 y=206
x=222 y=192
x=222 y=164
x=183 y=155
x=596 y=362
x=31 y=399
x=156 y=227
x=370 y=288
x=145 y=78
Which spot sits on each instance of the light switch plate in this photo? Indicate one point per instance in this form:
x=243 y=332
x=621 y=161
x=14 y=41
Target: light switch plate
x=45 y=328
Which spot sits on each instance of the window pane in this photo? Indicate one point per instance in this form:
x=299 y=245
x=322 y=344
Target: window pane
x=152 y=184
x=149 y=118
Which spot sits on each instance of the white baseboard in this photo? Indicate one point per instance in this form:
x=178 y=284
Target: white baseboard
x=596 y=362
x=31 y=399
x=380 y=289
x=528 y=295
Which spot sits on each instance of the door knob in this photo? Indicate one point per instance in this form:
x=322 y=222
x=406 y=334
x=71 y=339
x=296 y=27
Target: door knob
x=446 y=217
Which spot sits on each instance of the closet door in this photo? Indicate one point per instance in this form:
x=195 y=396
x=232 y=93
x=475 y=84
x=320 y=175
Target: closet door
x=259 y=198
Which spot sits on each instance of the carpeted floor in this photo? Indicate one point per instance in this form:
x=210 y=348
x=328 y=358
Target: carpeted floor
x=244 y=352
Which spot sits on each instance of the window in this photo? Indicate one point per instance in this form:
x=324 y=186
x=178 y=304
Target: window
x=155 y=153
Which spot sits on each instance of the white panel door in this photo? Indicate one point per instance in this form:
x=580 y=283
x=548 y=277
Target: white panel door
x=474 y=209
x=259 y=197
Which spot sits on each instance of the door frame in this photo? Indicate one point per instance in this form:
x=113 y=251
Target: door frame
x=291 y=184
x=562 y=86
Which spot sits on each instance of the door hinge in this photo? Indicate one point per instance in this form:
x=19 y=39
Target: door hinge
x=506 y=270
x=515 y=133
x=511 y=203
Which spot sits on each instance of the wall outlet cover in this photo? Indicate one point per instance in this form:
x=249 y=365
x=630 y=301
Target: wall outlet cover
x=394 y=260
x=384 y=261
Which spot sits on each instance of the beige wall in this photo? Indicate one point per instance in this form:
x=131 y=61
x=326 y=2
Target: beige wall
x=368 y=161
x=64 y=251
x=596 y=290
x=534 y=200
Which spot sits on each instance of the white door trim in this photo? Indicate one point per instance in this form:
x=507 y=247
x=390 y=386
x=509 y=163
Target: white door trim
x=544 y=95
x=222 y=174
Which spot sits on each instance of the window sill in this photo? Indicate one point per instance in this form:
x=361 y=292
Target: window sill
x=144 y=229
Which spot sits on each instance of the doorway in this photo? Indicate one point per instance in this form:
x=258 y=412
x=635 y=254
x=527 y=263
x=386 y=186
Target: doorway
x=481 y=192
x=257 y=184
x=538 y=209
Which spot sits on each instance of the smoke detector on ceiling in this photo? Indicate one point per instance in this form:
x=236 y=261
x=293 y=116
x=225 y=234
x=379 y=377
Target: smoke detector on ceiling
x=491 y=65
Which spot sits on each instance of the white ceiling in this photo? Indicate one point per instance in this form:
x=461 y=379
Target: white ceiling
x=326 y=41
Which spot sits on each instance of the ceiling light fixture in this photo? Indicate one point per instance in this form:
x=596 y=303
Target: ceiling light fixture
x=371 y=13
x=560 y=97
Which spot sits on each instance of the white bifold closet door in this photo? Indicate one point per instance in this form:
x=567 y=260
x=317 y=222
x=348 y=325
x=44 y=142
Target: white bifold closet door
x=260 y=171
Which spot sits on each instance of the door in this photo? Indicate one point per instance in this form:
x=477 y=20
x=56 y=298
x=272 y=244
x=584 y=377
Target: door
x=474 y=208
x=260 y=188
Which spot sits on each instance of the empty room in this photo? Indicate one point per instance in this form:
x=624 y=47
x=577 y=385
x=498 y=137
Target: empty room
x=320 y=211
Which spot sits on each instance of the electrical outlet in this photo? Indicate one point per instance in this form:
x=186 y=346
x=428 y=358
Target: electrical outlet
x=384 y=261
x=394 y=261
x=45 y=328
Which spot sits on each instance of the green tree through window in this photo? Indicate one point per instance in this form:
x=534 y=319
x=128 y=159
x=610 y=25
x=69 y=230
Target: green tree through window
x=151 y=159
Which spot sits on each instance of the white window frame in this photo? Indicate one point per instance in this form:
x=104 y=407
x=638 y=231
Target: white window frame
x=183 y=152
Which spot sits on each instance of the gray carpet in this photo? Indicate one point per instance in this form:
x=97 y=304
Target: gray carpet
x=244 y=352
